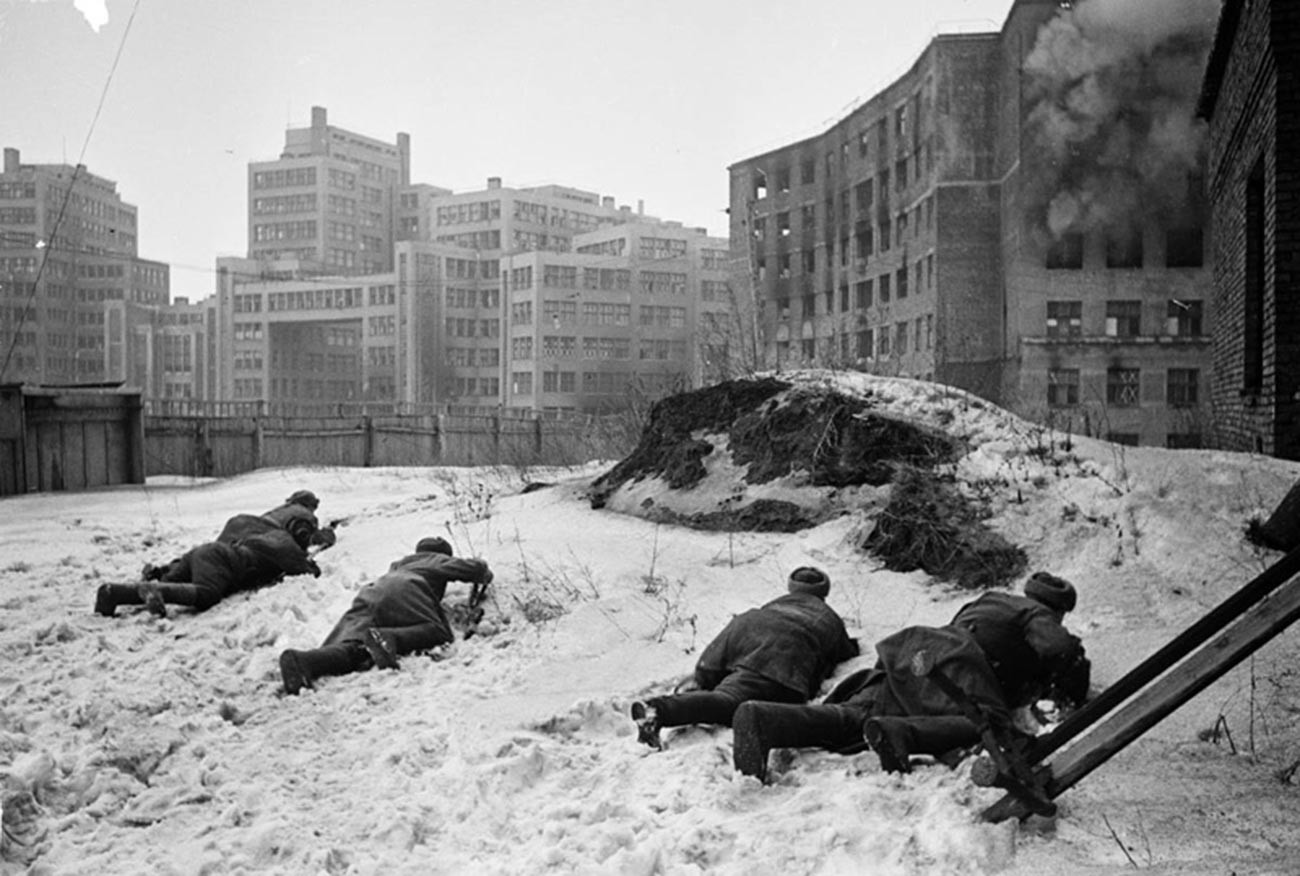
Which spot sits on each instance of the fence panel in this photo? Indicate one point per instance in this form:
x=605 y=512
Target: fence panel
x=221 y=446
x=314 y=441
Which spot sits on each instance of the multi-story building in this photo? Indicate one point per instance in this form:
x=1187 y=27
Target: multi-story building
x=76 y=299
x=307 y=318
x=1253 y=190
x=621 y=313
x=914 y=237
x=331 y=201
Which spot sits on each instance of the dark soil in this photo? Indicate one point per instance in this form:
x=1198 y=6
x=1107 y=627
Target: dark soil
x=834 y=438
x=929 y=525
x=761 y=515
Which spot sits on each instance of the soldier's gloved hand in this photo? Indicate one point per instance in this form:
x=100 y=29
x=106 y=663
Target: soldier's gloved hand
x=313 y=568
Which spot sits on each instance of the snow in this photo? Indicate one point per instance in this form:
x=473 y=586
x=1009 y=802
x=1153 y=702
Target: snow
x=166 y=746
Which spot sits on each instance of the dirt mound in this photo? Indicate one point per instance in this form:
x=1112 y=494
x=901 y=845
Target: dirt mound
x=780 y=455
x=775 y=429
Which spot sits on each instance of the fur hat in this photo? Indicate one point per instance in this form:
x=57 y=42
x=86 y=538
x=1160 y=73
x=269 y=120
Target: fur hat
x=433 y=545
x=305 y=498
x=1056 y=593
x=808 y=579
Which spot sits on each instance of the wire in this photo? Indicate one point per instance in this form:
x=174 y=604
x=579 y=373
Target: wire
x=67 y=194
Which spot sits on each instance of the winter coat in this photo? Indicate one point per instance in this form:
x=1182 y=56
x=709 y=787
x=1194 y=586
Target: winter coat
x=246 y=525
x=891 y=688
x=252 y=562
x=284 y=515
x=795 y=640
x=1030 y=651
x=408 y=595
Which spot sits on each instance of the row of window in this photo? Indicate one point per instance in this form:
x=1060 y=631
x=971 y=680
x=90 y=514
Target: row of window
x=284 y=178
x=473 y=328
x=1184 y=248
x=474 y=357
x=487 y=299
x=1123 y=387
x=1184 y=318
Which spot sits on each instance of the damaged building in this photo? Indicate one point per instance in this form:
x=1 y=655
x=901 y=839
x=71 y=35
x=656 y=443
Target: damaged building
x=1250 y=109
x=1020 y=214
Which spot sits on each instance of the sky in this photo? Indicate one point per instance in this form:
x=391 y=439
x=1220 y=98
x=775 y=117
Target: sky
x=640 y=101
x=166 y=746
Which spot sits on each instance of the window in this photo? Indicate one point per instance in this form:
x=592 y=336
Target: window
x=882 y=343
x=1122 y=387
x=1184 y=247
x=783 y=179
x=1124 y=249
x=1181 y=387
x=1253 y=304
x=807 y=171
x=863 y=294
x=1065 y=252
x=523 y=382
x=1062 y=387
x=759 y=184
x=808 y=260
x=865 y=346
x=884 y=288
x=901 y=284
x=900 y=339
x=782 y=224
x=1183 y=318
x=809 y=348
x=1064 y=319
x=1123 y=319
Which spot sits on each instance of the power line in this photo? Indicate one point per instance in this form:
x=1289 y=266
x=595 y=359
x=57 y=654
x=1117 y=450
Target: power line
x=67 y=194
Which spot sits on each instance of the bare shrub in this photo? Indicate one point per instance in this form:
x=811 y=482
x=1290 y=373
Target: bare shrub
x=929 y=525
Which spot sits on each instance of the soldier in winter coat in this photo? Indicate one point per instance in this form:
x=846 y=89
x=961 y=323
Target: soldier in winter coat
x=400 y=613
x=1002 y=650
x=210 y=572
x=296 y=517
x=780 y=652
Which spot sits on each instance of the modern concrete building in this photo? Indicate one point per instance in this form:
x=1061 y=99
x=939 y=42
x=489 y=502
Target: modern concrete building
x=330 y=201
x=623 y=313
x=927 y=234
x=76 y=300
x=1254 y=190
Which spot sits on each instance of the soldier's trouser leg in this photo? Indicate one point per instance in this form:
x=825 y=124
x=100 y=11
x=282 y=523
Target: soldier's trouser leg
x=896 y=739
x=299 y=669
x=196 y=596
x=109 y=596
x=719 y=705
x=760 y=727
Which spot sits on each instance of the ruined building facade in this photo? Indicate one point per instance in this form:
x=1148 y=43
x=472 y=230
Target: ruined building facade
x=923 y=235
x=1254 y=189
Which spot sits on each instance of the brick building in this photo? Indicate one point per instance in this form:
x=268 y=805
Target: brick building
x=1254 y=189
x=913 y=238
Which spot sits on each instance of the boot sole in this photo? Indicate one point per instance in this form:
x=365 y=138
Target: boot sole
x=749 y=756
x=890 y=761
x=295 y=678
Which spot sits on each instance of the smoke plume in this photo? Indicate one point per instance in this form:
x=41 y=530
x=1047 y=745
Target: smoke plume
x=1112 y=87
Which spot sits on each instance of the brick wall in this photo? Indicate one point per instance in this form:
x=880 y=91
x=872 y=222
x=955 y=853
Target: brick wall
x=1243 y=132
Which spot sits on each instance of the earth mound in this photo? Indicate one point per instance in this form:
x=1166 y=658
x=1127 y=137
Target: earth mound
x=784 y=453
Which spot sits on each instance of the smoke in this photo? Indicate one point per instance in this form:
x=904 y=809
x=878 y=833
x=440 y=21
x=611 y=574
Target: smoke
x=1112 y=86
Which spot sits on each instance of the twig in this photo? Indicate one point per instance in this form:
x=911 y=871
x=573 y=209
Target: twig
x=1118 y=841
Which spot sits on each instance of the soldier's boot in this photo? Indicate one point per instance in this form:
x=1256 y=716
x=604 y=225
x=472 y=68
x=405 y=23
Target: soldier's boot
x=109 y=596
x=895 y=739
x=156 y=596
x=759 y=727
x=380 y=647
x=300 y=669
x=646 y=717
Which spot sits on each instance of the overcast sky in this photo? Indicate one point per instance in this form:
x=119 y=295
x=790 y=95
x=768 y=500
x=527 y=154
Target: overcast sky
x=642 y=101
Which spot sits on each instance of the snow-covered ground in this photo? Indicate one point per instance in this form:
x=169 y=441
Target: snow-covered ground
x=166 y=746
